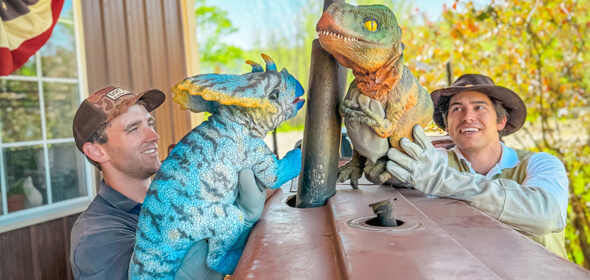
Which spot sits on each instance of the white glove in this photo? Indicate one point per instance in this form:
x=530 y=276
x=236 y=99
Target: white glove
x=529 y=209
x=364 y=139
x=251 y=196
x=194 y=266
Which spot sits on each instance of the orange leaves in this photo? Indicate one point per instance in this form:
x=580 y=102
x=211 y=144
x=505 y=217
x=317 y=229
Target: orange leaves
x=472 y=26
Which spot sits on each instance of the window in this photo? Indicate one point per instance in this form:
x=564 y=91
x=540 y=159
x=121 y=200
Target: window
x=42 y=174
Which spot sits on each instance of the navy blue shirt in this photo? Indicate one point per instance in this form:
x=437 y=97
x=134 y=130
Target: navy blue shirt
x=103 y=236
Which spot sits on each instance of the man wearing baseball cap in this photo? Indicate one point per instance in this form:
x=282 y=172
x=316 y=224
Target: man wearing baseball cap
x=115 y=130
x=525 y=190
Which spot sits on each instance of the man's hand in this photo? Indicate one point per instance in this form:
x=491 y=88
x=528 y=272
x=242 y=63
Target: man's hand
x=194 y=264
x=251 y=196
x=419 y=165
x=363 y=137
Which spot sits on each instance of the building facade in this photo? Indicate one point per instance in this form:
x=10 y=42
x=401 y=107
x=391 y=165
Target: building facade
x=45 y=181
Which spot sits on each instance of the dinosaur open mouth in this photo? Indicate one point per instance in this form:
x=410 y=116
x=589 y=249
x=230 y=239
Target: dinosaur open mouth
x=336 y=35
x=298 y=100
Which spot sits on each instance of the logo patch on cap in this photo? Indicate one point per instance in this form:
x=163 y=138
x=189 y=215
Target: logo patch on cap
x=117 y=93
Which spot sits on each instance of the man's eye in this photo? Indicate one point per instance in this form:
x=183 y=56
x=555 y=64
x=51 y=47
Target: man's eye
x=455 y=109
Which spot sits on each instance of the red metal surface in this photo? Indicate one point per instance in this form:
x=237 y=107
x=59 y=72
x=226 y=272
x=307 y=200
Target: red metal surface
x=302 y=238
x=454 y=241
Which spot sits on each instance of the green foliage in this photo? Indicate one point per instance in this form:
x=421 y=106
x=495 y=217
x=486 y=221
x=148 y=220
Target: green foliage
x=212 y=25
x=17 y=188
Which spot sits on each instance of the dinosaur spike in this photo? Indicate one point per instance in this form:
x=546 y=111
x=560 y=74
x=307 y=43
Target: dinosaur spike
x=270 y=64
x=255 y=66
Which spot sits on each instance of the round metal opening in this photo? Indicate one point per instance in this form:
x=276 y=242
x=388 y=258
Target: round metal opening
x=376 y=222
x=291 y=201
x=372 y=223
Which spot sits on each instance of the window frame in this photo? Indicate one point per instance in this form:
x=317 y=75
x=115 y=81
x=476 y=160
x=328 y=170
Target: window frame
x=51 y=210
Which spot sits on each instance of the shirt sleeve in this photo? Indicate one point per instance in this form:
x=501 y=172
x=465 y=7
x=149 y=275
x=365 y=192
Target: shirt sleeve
x=547 y=172
x=105 y=255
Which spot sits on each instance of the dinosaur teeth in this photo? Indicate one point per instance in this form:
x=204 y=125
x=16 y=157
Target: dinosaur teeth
x=346 y=39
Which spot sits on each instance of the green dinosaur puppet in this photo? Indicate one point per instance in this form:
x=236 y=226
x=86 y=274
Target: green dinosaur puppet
x=385 y=100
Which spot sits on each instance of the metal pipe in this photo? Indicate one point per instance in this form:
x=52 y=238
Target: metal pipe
x=384 y=211
x=323 y=128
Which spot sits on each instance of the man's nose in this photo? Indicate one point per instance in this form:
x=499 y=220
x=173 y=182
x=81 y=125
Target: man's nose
x=469 y=115
x=151 y=135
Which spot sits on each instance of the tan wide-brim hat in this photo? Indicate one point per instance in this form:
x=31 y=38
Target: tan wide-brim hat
x=480 y=83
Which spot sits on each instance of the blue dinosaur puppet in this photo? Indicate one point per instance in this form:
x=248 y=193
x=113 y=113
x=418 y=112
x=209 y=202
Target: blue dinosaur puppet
x=192 y=195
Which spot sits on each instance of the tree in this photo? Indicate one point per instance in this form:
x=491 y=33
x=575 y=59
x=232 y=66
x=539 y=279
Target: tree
x=212 y=25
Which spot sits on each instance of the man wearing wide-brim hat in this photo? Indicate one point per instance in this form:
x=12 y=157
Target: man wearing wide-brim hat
x=525 y=190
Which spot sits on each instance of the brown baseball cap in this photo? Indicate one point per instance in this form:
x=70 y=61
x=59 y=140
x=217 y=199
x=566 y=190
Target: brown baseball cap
x=105 y=105
x=484 y=84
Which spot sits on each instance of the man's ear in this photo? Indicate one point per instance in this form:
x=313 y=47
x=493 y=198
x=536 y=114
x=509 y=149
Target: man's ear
x=95 y=152
x=501 y=124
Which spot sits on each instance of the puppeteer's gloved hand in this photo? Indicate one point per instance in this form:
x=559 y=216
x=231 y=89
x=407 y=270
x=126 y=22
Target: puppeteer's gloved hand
x=529 y=209
x=250 y=200
x=364 y=139
x=419 y=165
x=194 y=264
x=251 y=196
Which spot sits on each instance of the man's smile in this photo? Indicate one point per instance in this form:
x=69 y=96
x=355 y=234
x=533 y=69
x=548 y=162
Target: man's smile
x=469 y=130
x=150 y=151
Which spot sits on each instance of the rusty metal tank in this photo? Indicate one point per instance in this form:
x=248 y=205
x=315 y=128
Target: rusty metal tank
x=437 y=239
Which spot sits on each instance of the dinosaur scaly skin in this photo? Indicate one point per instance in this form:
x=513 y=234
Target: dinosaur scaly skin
x=192 y=196
x=367 y=39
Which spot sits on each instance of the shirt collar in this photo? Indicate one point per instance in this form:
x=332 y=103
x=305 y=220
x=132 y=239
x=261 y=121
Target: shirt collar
x=115 y=198
x=509 y=159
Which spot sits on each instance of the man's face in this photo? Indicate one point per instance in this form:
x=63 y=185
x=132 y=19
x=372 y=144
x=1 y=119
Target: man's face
x=472 y=121
x=132 y=145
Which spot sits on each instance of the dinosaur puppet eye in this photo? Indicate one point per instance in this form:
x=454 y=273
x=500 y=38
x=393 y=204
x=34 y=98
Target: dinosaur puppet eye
x=371 y=25
x=274 y=95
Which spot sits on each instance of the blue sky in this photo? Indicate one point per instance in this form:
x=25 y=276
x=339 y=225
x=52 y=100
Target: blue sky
x=254 y=16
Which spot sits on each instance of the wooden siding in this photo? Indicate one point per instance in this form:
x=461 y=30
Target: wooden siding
x=134 y=44
x=139 y=44
x=37 y=252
